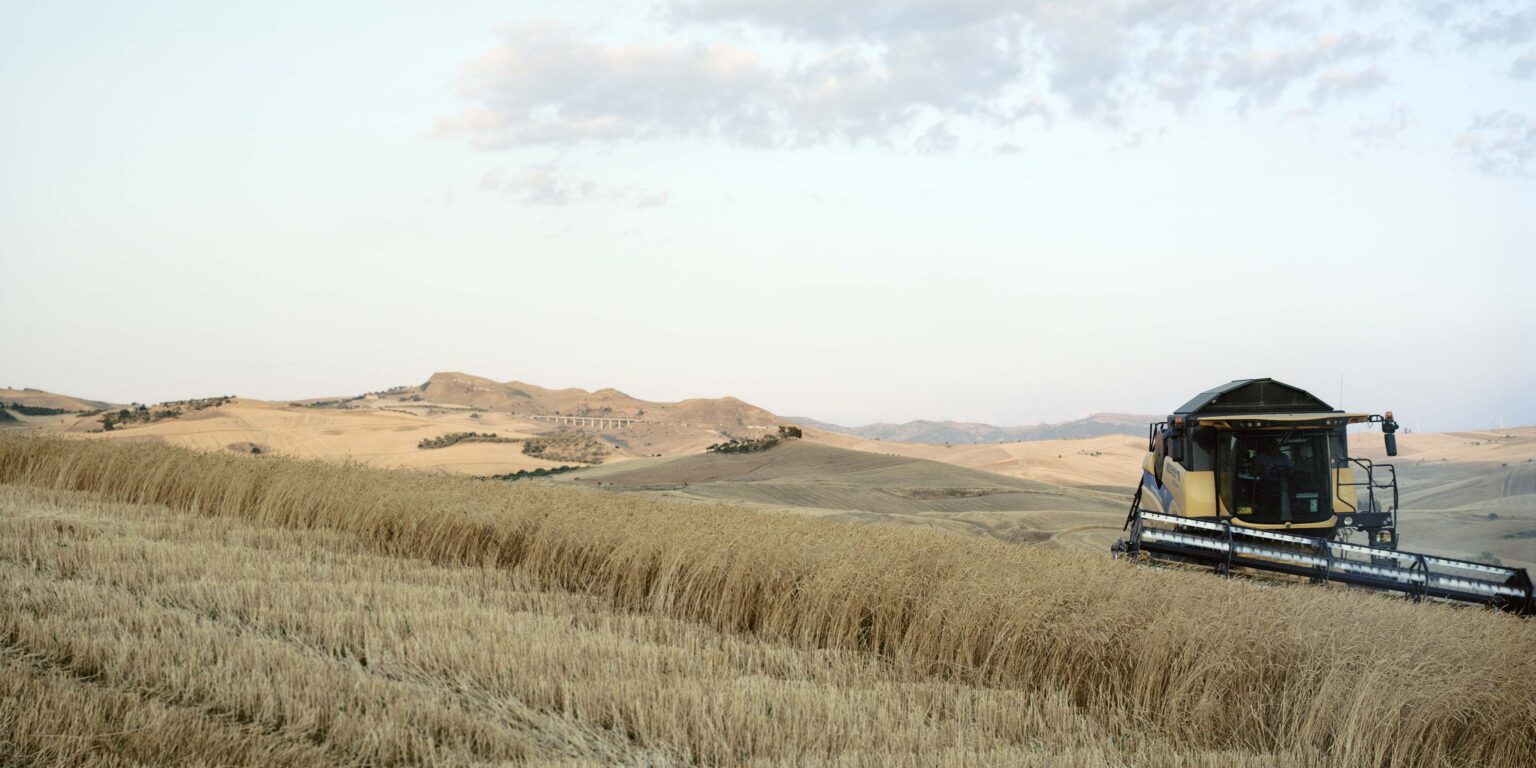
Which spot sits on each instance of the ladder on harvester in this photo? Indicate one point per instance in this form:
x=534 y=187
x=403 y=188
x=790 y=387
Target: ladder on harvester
x=1225 y=546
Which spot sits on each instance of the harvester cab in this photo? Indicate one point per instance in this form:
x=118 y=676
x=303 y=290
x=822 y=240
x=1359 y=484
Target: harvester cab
x=1257 y=474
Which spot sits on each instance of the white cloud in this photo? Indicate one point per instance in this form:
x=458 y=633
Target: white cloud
x=1261 y=76
x=1376 y=130
x=1500 y=27
x=549 y=185
x=880 y=72
x=542 y=84
x=1340 y=84
x=1524 y=67
x=653 y=199
x=1501 y=144
x=937 y=140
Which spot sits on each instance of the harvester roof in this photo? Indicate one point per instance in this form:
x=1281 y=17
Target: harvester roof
x=1253 y=396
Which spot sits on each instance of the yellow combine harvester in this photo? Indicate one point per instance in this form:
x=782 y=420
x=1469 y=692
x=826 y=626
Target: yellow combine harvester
x=1257 y=474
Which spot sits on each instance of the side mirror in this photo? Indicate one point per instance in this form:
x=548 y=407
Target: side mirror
x=1391 y=440
x=1388 y=427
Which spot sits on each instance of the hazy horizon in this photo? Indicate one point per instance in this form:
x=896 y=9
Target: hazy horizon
x=972 y=211
x=1410 y=420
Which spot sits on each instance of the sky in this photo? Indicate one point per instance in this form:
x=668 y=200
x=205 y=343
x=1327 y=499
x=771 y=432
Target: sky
x=1007 y=212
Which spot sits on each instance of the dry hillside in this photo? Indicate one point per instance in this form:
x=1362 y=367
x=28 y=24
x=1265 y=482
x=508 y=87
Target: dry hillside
x=869 y=487
x=41 y=399
x=658 y=427
x=1471 y=494
x=378 y=435
x=1110 y=462
x=221 y=609
x=965 y=433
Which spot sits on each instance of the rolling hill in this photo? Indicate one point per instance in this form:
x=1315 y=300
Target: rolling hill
x=827 y=481
x=379 y=436
x=967 y=433
x=383 y=428
x=39 y=399
x=1109 y=462
x=1468 y=494
x=638 y=427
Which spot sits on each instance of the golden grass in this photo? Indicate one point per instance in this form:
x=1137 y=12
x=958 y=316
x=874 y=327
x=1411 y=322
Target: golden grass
x=1320 y=676
x=131 y=632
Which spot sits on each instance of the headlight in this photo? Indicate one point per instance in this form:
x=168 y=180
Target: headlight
x=1348 y=521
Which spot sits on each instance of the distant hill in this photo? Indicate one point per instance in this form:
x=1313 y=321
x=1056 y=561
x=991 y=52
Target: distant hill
x=37 y=398
x=969 y=433
x=642 y=427
x=531 y=399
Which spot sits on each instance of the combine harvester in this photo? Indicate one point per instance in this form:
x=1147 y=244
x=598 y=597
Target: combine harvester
x=1256 y=474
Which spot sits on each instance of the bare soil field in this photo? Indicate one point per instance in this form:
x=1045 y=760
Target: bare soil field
x=820 y=480
x=164 y=606
x=1108 y=462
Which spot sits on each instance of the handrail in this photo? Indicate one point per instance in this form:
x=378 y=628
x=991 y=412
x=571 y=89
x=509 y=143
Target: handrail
x=1369 y=484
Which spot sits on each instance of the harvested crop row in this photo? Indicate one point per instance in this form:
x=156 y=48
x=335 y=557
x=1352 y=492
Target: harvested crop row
x=1350 y=678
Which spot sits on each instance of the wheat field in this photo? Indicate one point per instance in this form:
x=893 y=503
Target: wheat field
x=166 y=607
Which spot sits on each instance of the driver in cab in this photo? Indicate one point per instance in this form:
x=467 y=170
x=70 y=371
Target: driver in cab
x=1272 y=466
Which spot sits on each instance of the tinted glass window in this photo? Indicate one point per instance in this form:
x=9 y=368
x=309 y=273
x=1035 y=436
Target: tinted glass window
x=1200 y=456
x=1276 y=477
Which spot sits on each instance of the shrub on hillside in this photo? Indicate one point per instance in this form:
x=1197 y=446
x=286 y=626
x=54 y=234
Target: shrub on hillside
x=567 y=446
x=143 y=414
x=331 y=403
x=454 y=438
x=744 y=445
x=35 y=410
x=538 y=472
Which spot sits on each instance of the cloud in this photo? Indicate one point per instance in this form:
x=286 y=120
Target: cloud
x=548 y=185
x=1383 y=128
x=847 y=71
x=541 y=85
x=544 y=85
x=937 y=140
x=1095 y=57
x=1339 y=84
x=1501 y=144
x=1500 y=28
x=653 y=199
x=1260 y=77
x=1524 y=67
x=1475 y=25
